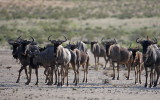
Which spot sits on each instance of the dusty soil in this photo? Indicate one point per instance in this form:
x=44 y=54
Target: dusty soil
x=99 y=86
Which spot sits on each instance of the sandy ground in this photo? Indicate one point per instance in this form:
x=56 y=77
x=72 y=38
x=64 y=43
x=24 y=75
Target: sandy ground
x=99 y=86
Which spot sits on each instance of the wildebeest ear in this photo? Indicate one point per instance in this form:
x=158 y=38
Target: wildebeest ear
x=11 y=42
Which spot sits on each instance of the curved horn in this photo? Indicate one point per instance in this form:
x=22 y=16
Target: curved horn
x=32 y=38
x=49 y=38
x=65 y=39
x=19 y=38
x=138 y=41
x=102 y=39
x=155 y=40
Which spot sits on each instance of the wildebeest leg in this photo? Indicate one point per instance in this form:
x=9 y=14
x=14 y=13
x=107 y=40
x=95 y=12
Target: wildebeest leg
x=151 y=78
x=146 y=76
x=67 y=72
x=87 y=64
x=25 y=68
x=74 y=70
x=51 y=73
x=139 y=71
x=106 y=61
x=29 y=80
x=95 y=61
x=118 y=71
x=136 y=73
x=46 y=74
x=36 y=71
x=84 y=74
x=22 y=67
x=52 y=69
x=155 y=83
x=154 y=77
x=113 y=71
x=78 y=73
x=63 y=75
x=129 y=68
x=59 y=73
x=56 y=70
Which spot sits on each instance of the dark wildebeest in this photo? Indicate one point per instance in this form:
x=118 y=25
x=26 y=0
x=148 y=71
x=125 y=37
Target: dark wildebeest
x=119 y=55
x=19 y=53
x=151 y=58
x=46 y=58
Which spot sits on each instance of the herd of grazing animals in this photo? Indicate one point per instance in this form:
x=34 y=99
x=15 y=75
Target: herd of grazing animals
x=56 y=58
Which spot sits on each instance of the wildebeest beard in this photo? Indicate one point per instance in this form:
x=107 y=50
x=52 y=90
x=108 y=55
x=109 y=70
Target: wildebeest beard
x=15 y=55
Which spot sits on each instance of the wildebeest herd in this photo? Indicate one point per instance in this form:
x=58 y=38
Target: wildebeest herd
x=55 y=58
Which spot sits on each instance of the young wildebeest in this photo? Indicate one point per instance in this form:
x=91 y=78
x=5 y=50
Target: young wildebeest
x=98 y=51
x=19 y=53
x=151 y=58
x=137 y=63
x=63 y=57
x=119 y=55
x=80 y=58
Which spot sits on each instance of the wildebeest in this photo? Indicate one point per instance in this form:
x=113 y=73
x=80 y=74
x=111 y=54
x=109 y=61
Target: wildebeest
x=63 y=58
x=151 y=58
x=136 y=62
x=80 y=58
x=120 y=55
x=98 y=51
x=19 y=53
x=107 y=44
x=46 y=57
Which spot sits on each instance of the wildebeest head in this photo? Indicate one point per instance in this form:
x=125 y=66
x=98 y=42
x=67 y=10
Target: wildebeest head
x=24 y=43
x=108 y=43
x=146 y=43
x=15 y=44
x=133 y=50
x=56 y=42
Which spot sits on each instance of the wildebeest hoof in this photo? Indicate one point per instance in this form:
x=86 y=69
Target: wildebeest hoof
x=83 y=81
x=113 y=78
x=155 y=85
x=55 y=83
x=59 y=84
x=17 y=81
x=49 y=83
x=27 y=83
x=150 y=86
x=36 y=84
x=145 y=85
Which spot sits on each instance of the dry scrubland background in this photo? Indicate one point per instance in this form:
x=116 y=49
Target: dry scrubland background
x=124 y=20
